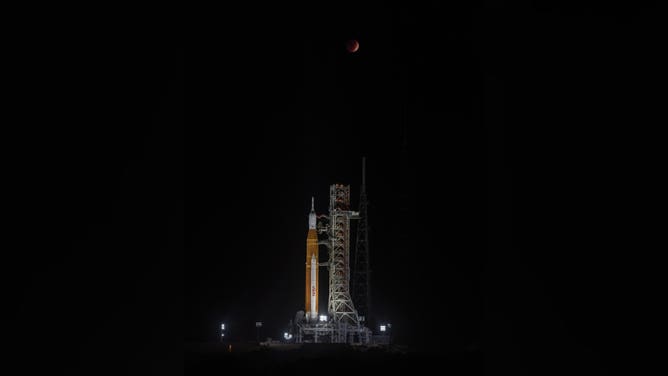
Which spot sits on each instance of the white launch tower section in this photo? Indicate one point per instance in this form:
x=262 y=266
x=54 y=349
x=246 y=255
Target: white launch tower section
x=340 y=307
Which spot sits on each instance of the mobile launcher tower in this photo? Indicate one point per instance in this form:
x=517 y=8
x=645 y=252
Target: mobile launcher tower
x=343 y=324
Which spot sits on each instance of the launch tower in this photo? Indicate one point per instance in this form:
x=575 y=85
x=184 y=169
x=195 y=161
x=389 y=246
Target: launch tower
x=340 y=307
x=342 y=324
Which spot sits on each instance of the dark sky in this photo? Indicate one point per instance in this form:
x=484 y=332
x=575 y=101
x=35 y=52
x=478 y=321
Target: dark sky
x=290 y=112
x=93 y=177
x=505 y=148
x=493 y=228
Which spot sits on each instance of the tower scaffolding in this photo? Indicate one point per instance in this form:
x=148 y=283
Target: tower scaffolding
x=340 y=307
x=343 y=324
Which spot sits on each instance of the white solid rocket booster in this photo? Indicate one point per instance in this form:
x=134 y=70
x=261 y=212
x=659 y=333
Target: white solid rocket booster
x=314 y=288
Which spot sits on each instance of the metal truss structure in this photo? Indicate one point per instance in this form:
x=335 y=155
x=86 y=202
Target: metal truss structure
x=361 y=285
x=340 y=306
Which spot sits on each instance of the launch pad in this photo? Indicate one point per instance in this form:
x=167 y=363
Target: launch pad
x=330 y=332
x=343 y=323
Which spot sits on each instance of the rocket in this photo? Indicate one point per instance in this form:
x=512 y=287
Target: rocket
x=312 y=263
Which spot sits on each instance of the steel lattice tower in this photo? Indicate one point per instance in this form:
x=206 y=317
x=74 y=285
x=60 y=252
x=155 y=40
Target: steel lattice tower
x=361 y=286
x=340 y=307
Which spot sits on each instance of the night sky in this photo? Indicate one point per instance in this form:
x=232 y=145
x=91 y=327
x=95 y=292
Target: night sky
x=163 y=187
x=94 y=191
x=494 y=152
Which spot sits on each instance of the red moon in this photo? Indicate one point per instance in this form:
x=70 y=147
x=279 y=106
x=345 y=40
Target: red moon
x=352 y=45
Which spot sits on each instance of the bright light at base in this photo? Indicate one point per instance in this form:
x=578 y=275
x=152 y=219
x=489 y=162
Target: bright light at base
x=323 y=317
x=287 y=336
x=382 y=328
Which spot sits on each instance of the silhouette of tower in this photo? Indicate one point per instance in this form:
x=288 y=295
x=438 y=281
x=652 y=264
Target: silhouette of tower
x=361 y=286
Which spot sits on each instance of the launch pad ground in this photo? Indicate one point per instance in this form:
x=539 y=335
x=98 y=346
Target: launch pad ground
x=325 y=359
x=333 y=333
